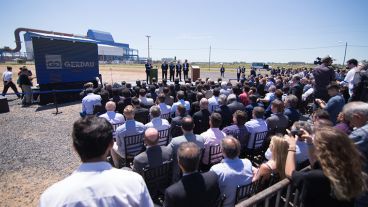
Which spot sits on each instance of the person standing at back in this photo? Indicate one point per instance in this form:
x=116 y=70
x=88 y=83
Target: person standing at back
x=148 y=67
x=222 y=71
x=323 y=75
x=172 y=71
x=186 y=69
x=178 y=70
x=8 y=82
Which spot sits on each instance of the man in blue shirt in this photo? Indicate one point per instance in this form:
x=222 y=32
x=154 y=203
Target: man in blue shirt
x=129 y=128
x=335 y=103
x=232 y=171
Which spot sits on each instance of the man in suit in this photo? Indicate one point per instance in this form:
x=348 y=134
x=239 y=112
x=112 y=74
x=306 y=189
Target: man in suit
x=154 y=155
x=238 y=72
x=178 y=70
x=176 y=122
x=187 y=126
x=234 y=104
x=202 y=117
x=172 y=71
x=185 y=69
x=148 y=67
x=194 y=189
x=224 y=111
x=222 y=71
x=164 y=68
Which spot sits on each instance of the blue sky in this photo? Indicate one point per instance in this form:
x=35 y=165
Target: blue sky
x=272 y=31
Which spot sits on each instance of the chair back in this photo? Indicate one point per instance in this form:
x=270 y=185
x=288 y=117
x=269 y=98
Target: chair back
x=164 y=137
x=246 y=191
x=133 y=145
x=166 y=116
x=259 y=139
x=158 y=179
x=115 y=127
x=214 y=107
x=215 y=154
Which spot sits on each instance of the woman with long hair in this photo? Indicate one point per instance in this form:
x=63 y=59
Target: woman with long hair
x=276 y=165
x=336 y=177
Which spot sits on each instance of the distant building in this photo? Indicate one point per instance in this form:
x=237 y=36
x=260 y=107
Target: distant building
x=167 y=59
x=108 y=49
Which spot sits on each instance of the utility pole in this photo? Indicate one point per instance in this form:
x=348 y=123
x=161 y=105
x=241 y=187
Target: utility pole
x=148 y=38
x=346 y=47
x=209 y=60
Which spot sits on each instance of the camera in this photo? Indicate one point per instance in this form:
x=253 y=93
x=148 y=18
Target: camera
x=297 y=132
x=318 y=61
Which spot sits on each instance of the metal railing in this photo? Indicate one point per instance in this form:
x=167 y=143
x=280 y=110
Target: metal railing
x=279 y=194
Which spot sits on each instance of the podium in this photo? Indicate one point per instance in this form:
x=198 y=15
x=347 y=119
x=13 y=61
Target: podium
x=196 y=72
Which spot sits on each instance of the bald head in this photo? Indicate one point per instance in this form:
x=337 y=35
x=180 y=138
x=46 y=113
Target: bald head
x=151 y=136
x=230 y=147
x=110 y=106
x=203 y=103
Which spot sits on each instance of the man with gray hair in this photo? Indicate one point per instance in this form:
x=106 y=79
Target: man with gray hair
x=201 y=118
x=156 y=121
x=357 y=114
x=234 y=104
x=225 y=112
x=232 y=171
x=111 y=115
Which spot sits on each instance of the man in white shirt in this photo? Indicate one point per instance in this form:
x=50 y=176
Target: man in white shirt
x=232 y=171
x=353 y=66
x=256 y=125
x=212 y=136
x=89 y=101
x=165 y=109
x=143 y=99
x=180 y=96
x=156 y=121
x=213 y=101
x=96 y=182
x=111 y=115
x=7 y=80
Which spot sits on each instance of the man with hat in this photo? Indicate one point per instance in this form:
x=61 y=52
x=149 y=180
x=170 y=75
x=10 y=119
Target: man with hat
x=323 y=75
x=7 y=80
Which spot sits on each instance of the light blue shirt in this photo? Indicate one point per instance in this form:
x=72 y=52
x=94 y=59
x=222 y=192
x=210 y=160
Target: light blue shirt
x=113 y=117
x=186 y=104
x=255 y=126
x=212 y=104
x=158 y=123
x=231 y=173
x=129 y=128
x=89 y=102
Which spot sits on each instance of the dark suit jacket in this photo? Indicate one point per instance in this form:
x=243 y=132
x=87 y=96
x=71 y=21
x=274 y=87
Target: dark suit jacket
x=153 y=157
x=194 y=107
x=201 y=121
x=226 y=115
x=194 y=190
x=236 y=105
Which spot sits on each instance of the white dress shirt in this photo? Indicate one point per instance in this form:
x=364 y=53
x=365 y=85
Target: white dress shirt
x=158 y=123
x=7 y=76
x=349 y=79
x=98 y=184
x=145 y=100
x=212 y=136
x=212 y=103
x=175 y=105
x=113 y=117
x=89 y=102
x=165 y=109
x=255 y=126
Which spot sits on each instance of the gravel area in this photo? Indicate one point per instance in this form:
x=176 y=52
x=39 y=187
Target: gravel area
x=35 y=150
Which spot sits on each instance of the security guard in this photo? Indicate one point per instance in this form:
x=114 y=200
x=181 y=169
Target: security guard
x=178 y=70
x=186 y=69
x=164 y=68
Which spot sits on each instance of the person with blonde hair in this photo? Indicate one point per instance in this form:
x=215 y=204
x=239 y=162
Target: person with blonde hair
x=276 y=165
x=336 y=177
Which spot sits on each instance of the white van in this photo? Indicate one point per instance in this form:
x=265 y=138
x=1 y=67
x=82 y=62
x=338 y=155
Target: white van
x=259 y=65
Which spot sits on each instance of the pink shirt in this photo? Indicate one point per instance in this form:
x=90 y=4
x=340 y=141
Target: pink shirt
x=212 y=136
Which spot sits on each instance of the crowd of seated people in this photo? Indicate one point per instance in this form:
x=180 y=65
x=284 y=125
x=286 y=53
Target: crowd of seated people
x=267 y=112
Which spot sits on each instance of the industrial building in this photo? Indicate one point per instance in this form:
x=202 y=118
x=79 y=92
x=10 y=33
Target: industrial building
x=109 y=51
